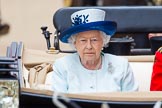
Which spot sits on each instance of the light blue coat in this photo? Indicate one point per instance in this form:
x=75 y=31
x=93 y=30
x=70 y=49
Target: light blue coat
x=69 y=75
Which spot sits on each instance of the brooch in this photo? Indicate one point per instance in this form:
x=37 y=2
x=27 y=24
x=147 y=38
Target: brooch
x=110 y=68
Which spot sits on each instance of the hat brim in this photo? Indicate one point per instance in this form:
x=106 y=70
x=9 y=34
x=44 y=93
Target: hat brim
x=109 y=27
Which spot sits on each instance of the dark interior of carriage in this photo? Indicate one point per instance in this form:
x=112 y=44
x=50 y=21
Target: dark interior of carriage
x=43 y=101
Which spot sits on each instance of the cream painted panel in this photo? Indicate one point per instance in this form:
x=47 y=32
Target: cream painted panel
x=142 y=72
x=25 y=18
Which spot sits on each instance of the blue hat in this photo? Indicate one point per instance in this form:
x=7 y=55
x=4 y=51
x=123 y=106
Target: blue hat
x=88 y=19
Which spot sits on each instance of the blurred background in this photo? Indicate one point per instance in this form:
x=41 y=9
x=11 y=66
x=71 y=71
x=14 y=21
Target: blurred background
x=25 y=18
x=21 y=20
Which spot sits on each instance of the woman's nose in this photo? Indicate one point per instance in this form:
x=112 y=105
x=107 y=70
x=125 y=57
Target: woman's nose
x=89 y=45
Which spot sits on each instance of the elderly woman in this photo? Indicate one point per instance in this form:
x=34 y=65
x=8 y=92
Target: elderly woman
x=89 y=69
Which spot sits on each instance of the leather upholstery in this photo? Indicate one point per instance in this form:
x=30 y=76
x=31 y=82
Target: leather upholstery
x=130 y=19
x=134 y=19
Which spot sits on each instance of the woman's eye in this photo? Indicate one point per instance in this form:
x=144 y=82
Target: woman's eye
x=83 y=40
x=94 y=40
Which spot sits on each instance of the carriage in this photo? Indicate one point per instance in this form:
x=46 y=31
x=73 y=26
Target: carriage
x=133 y=22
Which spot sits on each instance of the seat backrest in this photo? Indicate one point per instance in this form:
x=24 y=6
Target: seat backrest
x=130 y=19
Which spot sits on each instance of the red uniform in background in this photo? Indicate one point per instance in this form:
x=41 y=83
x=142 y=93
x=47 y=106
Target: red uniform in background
x=156 y=79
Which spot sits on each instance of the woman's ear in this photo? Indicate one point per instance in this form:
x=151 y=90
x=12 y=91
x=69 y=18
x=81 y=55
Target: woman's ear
x=74 y=45
x=74 y=42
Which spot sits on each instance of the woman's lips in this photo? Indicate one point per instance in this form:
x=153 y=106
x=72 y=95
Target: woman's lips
x=89 y=53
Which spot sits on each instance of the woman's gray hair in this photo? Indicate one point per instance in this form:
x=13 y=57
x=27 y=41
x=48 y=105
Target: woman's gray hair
x=106 y=39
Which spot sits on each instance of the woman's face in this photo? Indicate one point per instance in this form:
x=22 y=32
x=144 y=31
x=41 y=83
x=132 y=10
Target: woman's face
x=89 y=45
